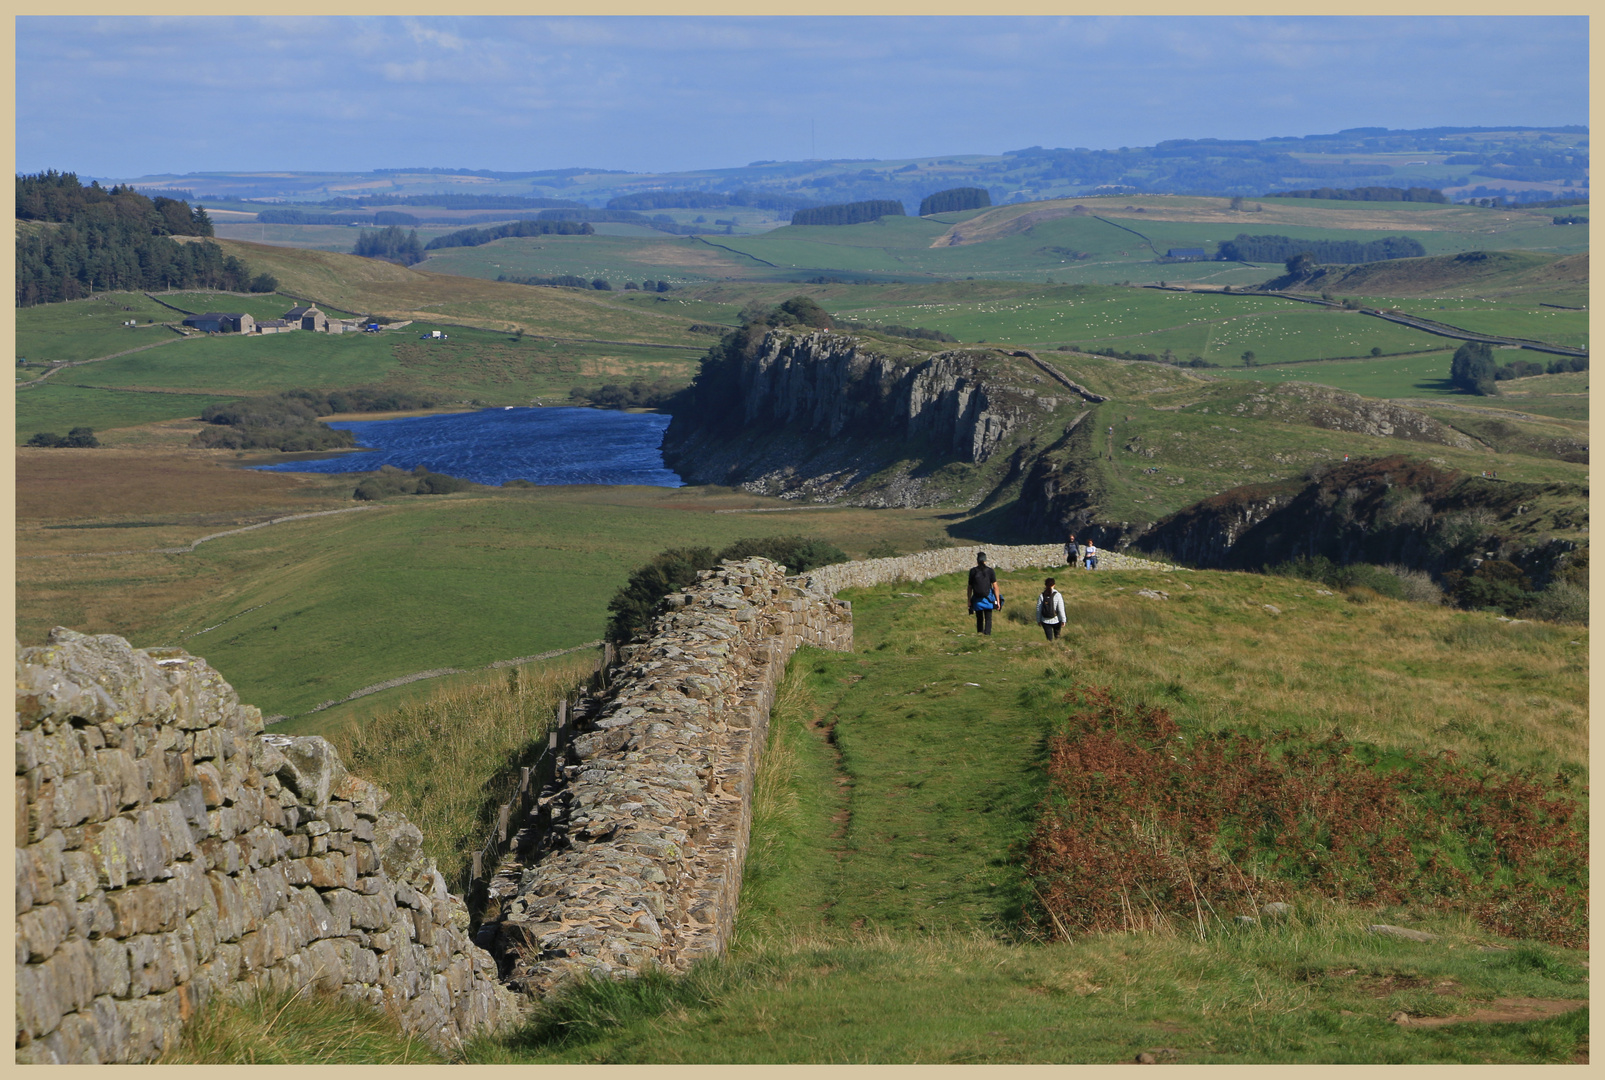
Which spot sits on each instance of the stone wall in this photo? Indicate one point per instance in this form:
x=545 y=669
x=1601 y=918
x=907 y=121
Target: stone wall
x=923 y=565
x=650 y=831
x=166 y=851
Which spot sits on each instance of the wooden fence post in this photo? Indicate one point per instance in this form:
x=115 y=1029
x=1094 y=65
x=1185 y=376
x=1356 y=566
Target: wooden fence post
x=523 y=779
x=473 y=877
x=501 y=822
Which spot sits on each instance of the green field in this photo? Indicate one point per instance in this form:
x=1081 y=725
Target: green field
x=1503 y=319
x=85 y=329
x=470 y=366
x=60 y=407
x=417 y=584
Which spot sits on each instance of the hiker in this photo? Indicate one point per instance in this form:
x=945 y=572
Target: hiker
x=1050 y=610
x=1090 y=559
x=1071 y=555
x=983 y=596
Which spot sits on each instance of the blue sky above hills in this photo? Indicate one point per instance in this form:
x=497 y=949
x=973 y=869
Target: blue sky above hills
x=125 y=97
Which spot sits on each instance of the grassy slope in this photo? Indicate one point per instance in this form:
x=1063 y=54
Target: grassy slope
x=179 y=379
x=375 y=287
x=878 y=904
x=417 y=584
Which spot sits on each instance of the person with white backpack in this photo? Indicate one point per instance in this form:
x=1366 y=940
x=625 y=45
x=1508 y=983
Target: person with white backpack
x=1050 y=610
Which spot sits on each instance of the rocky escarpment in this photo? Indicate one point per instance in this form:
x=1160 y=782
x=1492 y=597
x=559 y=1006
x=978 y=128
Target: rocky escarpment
x=827 y=417
x=167 y=852
x=1382 y=510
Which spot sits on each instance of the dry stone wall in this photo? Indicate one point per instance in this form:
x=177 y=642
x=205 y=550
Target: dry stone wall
x=923 y=565
x=166 y=852
x=652 y=826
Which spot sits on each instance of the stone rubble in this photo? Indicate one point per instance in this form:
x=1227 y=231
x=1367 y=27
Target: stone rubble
x=167 y=852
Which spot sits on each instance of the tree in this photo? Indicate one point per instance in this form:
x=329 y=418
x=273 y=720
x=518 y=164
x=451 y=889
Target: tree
x=1237 y=202
x=807 y=313
x=1376 y=350
x=1472 y=369
x=1300 y=264
x=1248 y=358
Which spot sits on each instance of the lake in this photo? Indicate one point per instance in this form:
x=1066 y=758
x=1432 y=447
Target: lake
x=492 y=446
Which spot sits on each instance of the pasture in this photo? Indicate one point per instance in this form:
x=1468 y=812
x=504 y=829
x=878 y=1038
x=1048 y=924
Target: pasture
x=470 y=367
x=308 y=611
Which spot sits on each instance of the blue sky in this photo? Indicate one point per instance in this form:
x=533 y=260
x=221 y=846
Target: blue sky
x=125 y=97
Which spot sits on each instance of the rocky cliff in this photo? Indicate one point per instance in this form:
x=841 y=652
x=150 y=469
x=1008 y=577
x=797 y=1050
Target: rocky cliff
x=827 y=417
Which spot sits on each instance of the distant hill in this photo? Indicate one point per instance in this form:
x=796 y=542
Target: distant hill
x=1445 y=158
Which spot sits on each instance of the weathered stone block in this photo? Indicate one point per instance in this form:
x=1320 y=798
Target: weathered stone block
x=312 y=769
x=40 y=932
x=144 y=909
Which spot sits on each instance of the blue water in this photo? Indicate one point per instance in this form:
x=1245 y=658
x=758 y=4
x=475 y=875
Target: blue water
x=545 y=446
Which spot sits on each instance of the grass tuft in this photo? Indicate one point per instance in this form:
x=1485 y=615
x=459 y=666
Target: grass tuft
x=296 y=1028
x=448 y=760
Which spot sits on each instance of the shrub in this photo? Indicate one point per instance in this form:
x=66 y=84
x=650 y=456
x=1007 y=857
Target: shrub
x=882 y=549
x=1560 y=602
x=1145 y=827
x=634 y=606
x=77 y=437
x=1417 y=586
x=390 y=480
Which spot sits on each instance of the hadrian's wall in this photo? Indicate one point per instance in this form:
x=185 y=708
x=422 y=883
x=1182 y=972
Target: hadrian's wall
x=923 y=565
x=166 y=852
x=650 y=832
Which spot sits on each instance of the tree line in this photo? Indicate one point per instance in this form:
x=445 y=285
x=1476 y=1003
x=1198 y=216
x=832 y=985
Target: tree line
x=477 y=237
x=1247 y=248
x=955 y=199
x=854 y=213
x=392 y=244
x=115 y=239
x=1366 y=194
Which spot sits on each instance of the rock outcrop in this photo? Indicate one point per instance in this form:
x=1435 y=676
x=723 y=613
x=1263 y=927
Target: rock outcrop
x=1376 y=510
x=168 y=852
x=827 y=417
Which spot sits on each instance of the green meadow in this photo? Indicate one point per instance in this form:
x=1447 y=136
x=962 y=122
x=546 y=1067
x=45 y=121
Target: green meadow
x=470 y=366
x=309 y=611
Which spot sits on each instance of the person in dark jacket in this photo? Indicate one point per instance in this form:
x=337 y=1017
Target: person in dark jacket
x=983 y=585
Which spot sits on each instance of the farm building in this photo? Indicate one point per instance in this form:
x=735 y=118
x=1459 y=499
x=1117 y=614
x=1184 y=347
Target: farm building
x=274 y=326
x=308 y=318
x=1186 y=254
x=222 y=322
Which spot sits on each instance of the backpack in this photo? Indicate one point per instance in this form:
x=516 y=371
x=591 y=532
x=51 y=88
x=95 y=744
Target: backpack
x=1045 y=607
